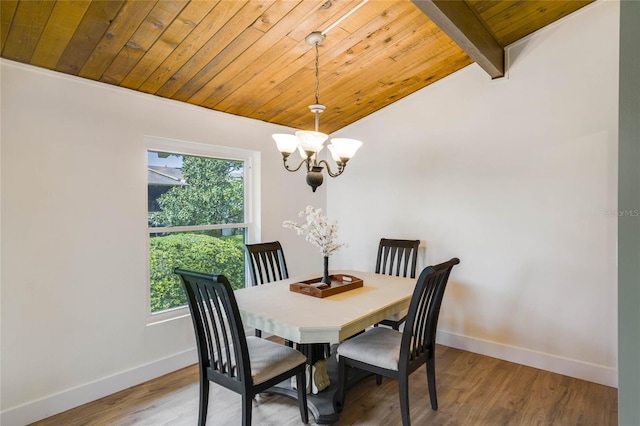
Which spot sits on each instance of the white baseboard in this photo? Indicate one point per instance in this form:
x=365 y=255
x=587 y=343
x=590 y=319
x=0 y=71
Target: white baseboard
x=57 y=403
x=600 y=374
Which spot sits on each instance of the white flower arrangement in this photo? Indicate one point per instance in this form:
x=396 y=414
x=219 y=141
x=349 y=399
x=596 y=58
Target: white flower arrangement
x=317 y=230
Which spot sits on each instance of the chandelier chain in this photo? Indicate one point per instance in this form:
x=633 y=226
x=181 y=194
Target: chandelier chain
x=317 y=75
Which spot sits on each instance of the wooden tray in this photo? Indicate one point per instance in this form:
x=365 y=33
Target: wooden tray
x=338 y=285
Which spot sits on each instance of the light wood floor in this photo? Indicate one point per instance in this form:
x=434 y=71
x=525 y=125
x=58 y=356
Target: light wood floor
x=473 y=390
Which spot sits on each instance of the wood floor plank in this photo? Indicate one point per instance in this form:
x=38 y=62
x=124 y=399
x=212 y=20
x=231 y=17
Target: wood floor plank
x=472 y=390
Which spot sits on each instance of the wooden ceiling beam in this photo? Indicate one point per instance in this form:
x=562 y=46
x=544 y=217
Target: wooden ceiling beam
x=457 y=20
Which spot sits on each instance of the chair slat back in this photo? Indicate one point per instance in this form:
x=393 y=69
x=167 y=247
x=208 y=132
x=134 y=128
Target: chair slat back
x=397 y=257
x=419 y=334
x=267 y=262
x=222 y=344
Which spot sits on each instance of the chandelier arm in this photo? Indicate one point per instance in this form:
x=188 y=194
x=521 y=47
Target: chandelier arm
x=329 y=172
x=286 y=166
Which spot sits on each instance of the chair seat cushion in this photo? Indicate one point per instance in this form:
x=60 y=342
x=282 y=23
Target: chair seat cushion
x=268 y=359
x=378 y=346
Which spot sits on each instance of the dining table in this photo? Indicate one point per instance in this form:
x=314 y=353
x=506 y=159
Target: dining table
x=315 y=323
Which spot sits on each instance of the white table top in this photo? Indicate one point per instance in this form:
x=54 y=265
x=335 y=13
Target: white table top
x=301 y=318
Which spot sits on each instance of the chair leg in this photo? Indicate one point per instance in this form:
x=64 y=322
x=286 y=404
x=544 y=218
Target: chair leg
x=247 y=402
x=342 y=386
x=204 y=399
x=378 y=379
x=258 y=333
x=403 y=384
x=431 y=381
x=302 y=396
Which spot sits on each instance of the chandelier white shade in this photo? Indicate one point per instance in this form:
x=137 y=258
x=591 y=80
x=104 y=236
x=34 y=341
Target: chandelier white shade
x=310 y=140
x=342 y=149
x=286 y=143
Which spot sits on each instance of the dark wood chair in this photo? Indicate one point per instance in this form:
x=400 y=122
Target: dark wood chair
x=267 y=265
x=267 y=262
x=397 y=257
x=391 y=353
x=246 y=365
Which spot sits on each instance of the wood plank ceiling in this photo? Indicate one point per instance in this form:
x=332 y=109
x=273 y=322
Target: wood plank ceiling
x=249 y=58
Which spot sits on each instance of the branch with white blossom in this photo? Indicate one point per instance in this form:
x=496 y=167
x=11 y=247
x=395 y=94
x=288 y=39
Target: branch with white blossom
x=317 y=230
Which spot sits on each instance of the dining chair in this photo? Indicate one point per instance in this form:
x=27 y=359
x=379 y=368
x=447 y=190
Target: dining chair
x=243 y=364
x=396 y=354
x=397 y=257
x=267 y=264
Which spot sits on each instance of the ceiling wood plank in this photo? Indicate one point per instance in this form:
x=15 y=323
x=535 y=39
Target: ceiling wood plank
x=207 y=28
x=154 y=25
x=351 y=98
x=323 y=18
x=243 y=101
x=128 y=20
x=371 y=10
x=224 y=47
x=241 y=73
x=518 y=11
x=178 y=30
x=340 y=61
x=28 y=23
x=7 y=10
x=402 y=83
x=271 y=49
x=237 y=73
x=94 y=24
x=230 y=52
x=275 y=14
x=278 y=106
x=522 y=23
x=411 y=69
x=65 y=18
x=486 y=9
x=460 y=23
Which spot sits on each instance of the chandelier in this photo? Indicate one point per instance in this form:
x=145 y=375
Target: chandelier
x=309 y=143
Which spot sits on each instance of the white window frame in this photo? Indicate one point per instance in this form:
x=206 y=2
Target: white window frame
x=252 y=209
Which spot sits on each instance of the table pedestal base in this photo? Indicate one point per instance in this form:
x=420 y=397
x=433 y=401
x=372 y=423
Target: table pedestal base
x=322 y=405
x=319 y=378
x=316 y=377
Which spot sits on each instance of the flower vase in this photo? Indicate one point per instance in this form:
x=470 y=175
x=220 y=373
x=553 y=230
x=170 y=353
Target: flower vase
x=325 y=274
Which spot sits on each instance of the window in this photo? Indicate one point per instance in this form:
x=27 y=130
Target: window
x=197 y=216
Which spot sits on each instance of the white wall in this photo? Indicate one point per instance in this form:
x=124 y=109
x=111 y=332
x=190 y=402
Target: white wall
x=74 y=241
x=515 y=177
